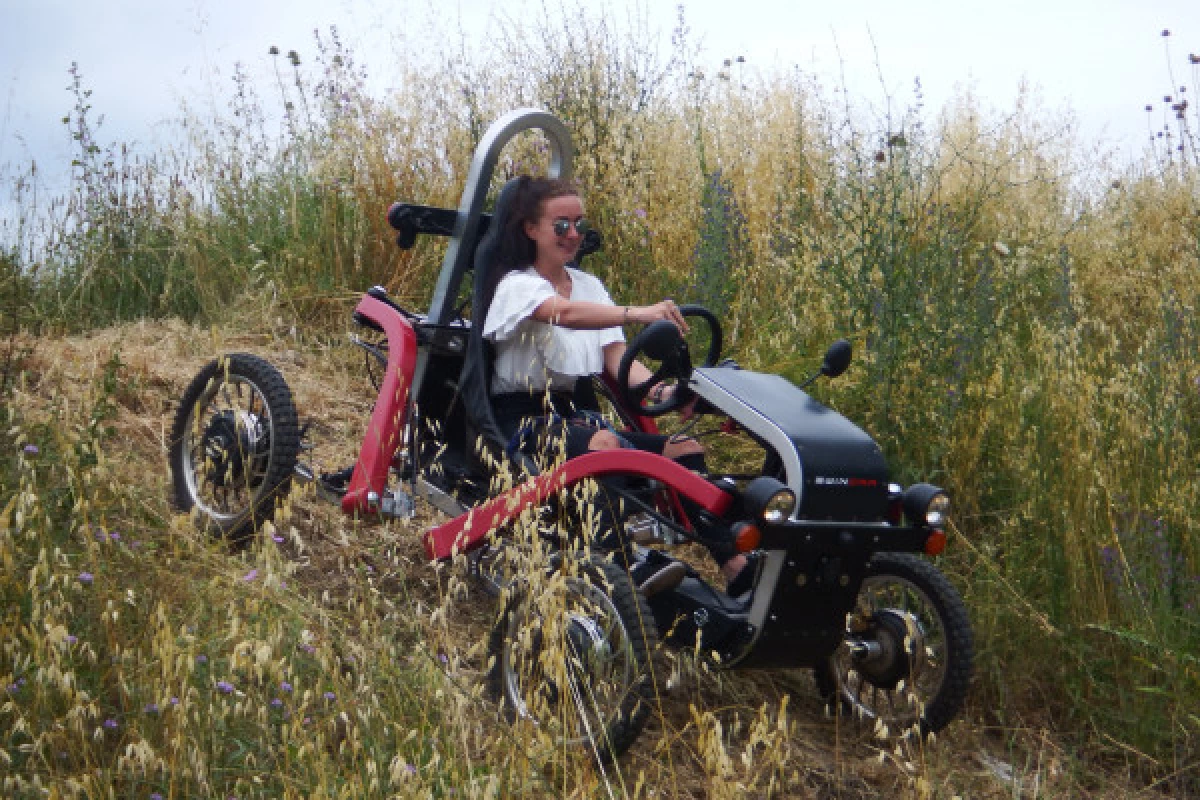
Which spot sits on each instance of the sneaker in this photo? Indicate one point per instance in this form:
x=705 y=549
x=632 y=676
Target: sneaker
x=655 y=572
x=666 y=578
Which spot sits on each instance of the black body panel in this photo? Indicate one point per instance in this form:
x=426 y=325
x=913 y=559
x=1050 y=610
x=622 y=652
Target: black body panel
x=842 y=472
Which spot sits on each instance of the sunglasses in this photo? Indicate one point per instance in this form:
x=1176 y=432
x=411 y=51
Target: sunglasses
x=562 y=225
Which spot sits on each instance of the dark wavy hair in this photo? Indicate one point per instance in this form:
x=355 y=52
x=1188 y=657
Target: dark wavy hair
x=515 y=250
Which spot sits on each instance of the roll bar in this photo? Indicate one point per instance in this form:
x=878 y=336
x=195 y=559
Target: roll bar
x=461 y=249
x=466 y=231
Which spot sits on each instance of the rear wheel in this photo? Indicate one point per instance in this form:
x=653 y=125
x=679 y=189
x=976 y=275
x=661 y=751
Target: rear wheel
x=906 y=660
x=233 y=445
x=571 y=656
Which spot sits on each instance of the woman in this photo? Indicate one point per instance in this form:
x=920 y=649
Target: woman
x=554 y=327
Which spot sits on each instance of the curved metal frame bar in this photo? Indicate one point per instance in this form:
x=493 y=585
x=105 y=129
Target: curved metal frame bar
x=468 y=531
x=479 y=178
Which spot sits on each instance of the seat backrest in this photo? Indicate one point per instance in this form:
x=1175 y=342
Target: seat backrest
x=475 y=379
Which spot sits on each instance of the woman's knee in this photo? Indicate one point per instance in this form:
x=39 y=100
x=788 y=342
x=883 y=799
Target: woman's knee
x=604 y=440
x=675 y=448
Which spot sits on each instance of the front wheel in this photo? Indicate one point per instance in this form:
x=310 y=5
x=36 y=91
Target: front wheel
x=572 y=657
x=233 y=445
x=906 y=660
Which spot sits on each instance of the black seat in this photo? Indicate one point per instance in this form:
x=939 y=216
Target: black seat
x=475 y=380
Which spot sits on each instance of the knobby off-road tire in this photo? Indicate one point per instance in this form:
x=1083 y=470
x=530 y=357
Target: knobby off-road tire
x=921 y=680
x=233 y=445
x=573 y=657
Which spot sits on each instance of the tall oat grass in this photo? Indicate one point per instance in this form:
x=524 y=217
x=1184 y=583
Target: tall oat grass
x=1023 y=312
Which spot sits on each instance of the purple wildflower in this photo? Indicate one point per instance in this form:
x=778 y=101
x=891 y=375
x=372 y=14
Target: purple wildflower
x=276 y=703
x=174 y=701
x=202 y=659
x=86 y=578
x=30 y=449
x=277 y=538
x=330 y=696
x=224 y=687
x=111 y=724
x=285 y=686
x=72 y=638
x=151 y=708
x=156 y=796
x=251 y=575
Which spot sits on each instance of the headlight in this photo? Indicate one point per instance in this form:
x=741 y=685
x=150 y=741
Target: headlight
x=769 y=500
x=779 y=507
x=939 y=507
x=926 y=505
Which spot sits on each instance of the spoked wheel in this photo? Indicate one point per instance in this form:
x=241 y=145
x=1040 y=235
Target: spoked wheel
x=573 y=658
x=906 y=660
x=233 y=444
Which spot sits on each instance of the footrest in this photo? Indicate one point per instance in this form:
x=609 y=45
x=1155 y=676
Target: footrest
x=332 y=486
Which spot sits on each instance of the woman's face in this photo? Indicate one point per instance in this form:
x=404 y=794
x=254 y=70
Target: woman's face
x=557 y=247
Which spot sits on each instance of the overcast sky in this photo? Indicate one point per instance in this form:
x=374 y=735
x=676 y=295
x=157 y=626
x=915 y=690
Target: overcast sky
x=1103 y=59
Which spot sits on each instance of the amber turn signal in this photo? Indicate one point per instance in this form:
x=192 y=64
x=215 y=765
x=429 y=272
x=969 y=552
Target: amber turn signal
x=746 y=537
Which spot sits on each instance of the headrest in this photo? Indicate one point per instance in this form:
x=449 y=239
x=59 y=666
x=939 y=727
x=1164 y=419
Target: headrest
x=485 y=252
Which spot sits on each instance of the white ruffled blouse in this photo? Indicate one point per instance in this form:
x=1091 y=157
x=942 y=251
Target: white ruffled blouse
x=533 y=356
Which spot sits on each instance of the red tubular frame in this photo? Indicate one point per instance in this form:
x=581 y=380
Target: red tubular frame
x=391 y=408
x=468 y=531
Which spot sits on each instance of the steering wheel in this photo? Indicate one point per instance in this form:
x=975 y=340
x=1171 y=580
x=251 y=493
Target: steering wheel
x=663 y=342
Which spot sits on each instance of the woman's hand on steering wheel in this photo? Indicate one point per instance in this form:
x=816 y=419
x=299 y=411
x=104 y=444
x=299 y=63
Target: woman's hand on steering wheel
x=662 y=341
x=666 y=309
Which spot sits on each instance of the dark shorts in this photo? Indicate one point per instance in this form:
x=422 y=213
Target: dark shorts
x=559 y=425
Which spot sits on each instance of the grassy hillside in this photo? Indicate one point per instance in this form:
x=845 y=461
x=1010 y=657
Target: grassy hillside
x=1024 y=318
x=331 y=660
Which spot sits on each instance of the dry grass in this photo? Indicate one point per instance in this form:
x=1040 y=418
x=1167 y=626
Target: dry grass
x=1022 y=313
x=185 y=698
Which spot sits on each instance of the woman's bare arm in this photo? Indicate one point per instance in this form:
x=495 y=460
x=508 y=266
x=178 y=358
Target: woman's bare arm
x=585 y=315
